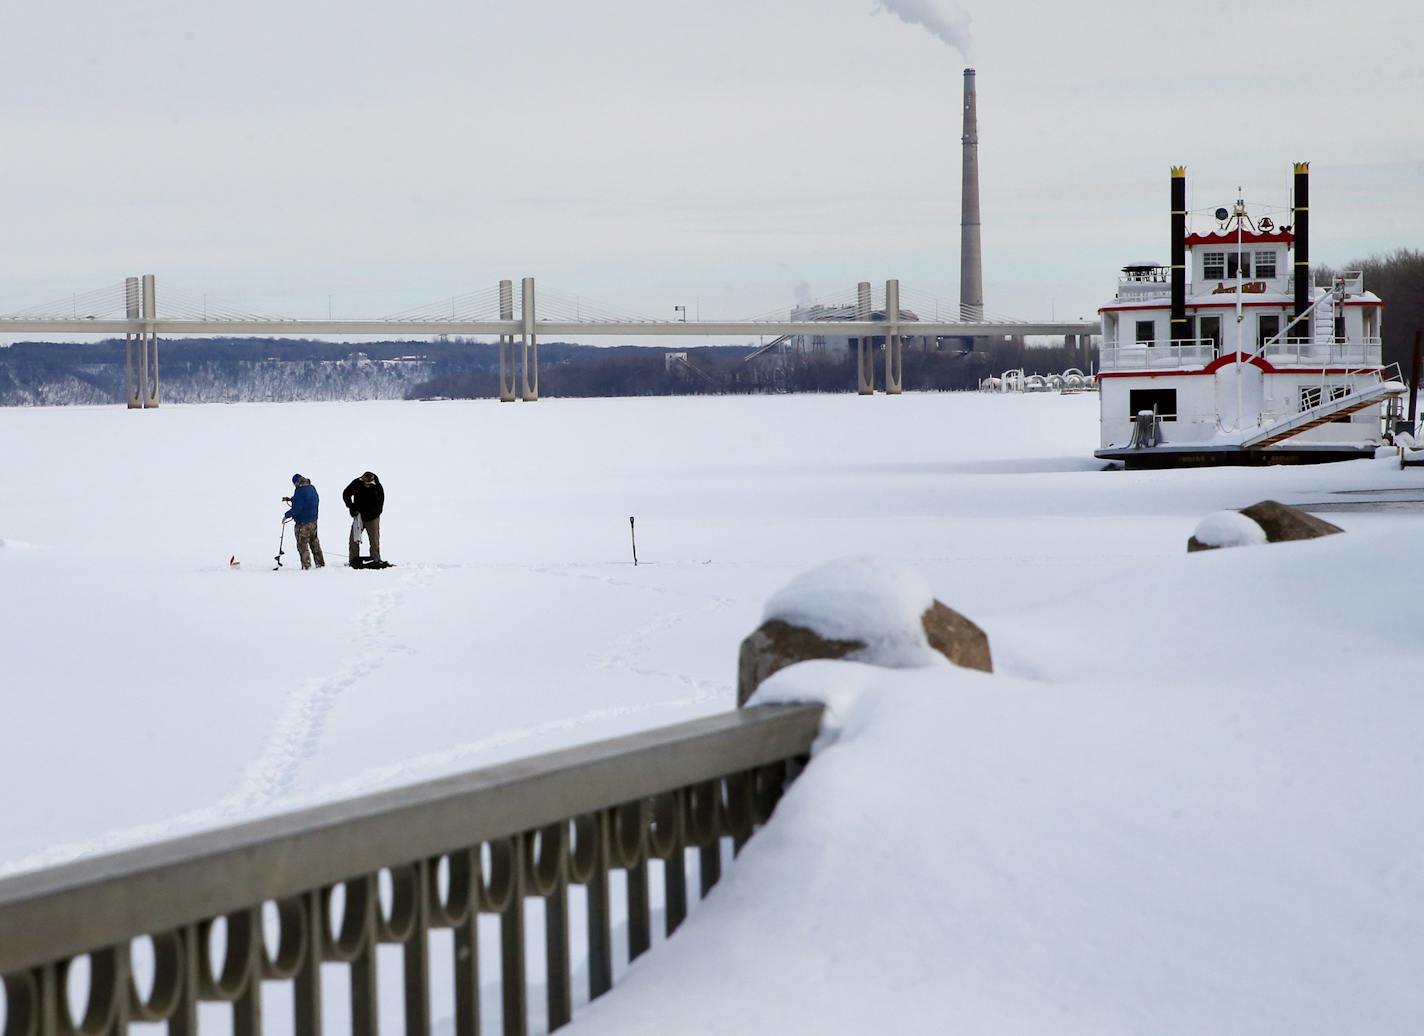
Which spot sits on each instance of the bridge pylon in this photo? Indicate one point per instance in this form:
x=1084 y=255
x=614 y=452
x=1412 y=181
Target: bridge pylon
x=506 y=344
x=530 y=365
x=894 y=343
x=864 y=357
x=141 y=381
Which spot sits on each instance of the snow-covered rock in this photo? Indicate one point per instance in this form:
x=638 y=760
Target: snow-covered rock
x=866 y=599
x=1225 y=529
x=862 y=609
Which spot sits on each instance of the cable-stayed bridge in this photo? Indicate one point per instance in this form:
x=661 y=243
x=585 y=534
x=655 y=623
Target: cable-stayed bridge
x=869 y=316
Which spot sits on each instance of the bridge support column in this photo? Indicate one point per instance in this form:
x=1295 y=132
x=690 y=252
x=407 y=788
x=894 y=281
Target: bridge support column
x=864 y=357
x=530 y=363
x=506 y=344
x=894 y=343
x=150 y=345
x=133 y=386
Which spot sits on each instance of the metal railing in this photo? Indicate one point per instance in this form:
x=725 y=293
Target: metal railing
x=291 y=893
x=1334 y=352
x=1178 y=353
x=1143 y=290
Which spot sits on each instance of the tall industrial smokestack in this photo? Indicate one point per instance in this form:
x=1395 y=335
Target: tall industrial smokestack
x=971 y=259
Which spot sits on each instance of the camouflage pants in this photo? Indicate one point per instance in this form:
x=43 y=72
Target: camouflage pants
x=372 y=529
x=308 y=546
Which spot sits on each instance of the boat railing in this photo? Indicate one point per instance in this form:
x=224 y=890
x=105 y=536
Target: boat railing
x=1324 y=352
x=1144 y=290
x=1169 y=355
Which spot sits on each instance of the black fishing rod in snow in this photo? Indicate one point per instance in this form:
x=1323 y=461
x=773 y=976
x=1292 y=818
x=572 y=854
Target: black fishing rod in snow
x=633 y=534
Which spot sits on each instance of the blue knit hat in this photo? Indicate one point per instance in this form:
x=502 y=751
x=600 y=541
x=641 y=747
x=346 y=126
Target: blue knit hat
x=296 y=479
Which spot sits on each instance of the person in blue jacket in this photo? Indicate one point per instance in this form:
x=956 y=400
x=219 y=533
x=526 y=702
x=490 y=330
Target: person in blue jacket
x=305 y=502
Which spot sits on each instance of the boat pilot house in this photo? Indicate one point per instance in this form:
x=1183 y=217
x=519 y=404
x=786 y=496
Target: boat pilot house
x=1232 y=355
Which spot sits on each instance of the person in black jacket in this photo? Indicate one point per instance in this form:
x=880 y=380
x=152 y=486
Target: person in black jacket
x=365 y=498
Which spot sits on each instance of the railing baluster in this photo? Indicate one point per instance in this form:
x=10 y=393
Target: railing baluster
x=119 y=1023
x=184 y=1020
x=467 y=949
x=247 y=1008
x=306 y=1003
x=417 y=954
x=556 y=954
x=667 y=839
x=675 y=884
x=600 y=929
x=511 y=938
x=365 y=995
x=365 y=1009
x=710 y=857
x=640 y=923
x=47 y=992
x=467 y=975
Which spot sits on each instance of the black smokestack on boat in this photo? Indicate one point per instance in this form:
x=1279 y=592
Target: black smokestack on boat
x=1302 y=240
x=1179 y=253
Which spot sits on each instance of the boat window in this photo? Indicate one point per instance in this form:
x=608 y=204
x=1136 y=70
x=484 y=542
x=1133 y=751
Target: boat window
x=1162 y=402
x=1268 y=325
x=1310 y=396
x=1146 y=332
x=1209 y=329
x=1213 y=266
x=1232 y=259
x=1266 y=263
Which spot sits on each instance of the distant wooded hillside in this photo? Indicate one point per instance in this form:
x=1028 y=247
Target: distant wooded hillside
x=221 y=370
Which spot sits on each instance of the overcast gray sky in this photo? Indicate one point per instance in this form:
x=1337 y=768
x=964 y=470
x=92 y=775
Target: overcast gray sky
x=647 y=153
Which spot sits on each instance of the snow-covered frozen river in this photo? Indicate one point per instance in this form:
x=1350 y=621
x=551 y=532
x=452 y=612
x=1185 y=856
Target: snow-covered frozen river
x=1184 y=801
x=151 y=689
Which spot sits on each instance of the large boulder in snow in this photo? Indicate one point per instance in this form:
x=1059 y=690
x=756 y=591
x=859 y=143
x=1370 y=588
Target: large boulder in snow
x=957 y=638
x=864 y=610
x=1283 y=522
x=1276 y=521
x=1225 y=529
x=775 y=645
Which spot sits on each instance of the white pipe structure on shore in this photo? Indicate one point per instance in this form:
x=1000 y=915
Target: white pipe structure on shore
x=1071 y=380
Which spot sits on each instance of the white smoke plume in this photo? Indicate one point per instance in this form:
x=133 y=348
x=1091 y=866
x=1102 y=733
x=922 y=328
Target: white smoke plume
x=951 y=27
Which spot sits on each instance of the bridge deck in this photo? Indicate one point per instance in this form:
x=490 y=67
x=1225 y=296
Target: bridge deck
x=544 y=329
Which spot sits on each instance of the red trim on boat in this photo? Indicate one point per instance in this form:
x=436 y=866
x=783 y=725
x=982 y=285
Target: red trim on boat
x=1222 y=361
x=1254 y=237
x=1199 y=305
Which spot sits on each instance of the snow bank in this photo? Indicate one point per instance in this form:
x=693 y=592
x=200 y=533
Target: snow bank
x=867 y=599
x=1202 y=835
x=1228 y=529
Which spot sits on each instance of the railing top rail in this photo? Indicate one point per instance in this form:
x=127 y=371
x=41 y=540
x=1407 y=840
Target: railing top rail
x=49 y=914
x=1175 y=342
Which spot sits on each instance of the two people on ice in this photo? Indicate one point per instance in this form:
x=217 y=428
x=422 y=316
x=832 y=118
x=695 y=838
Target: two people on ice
x=304 y=505
x=365 y=498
